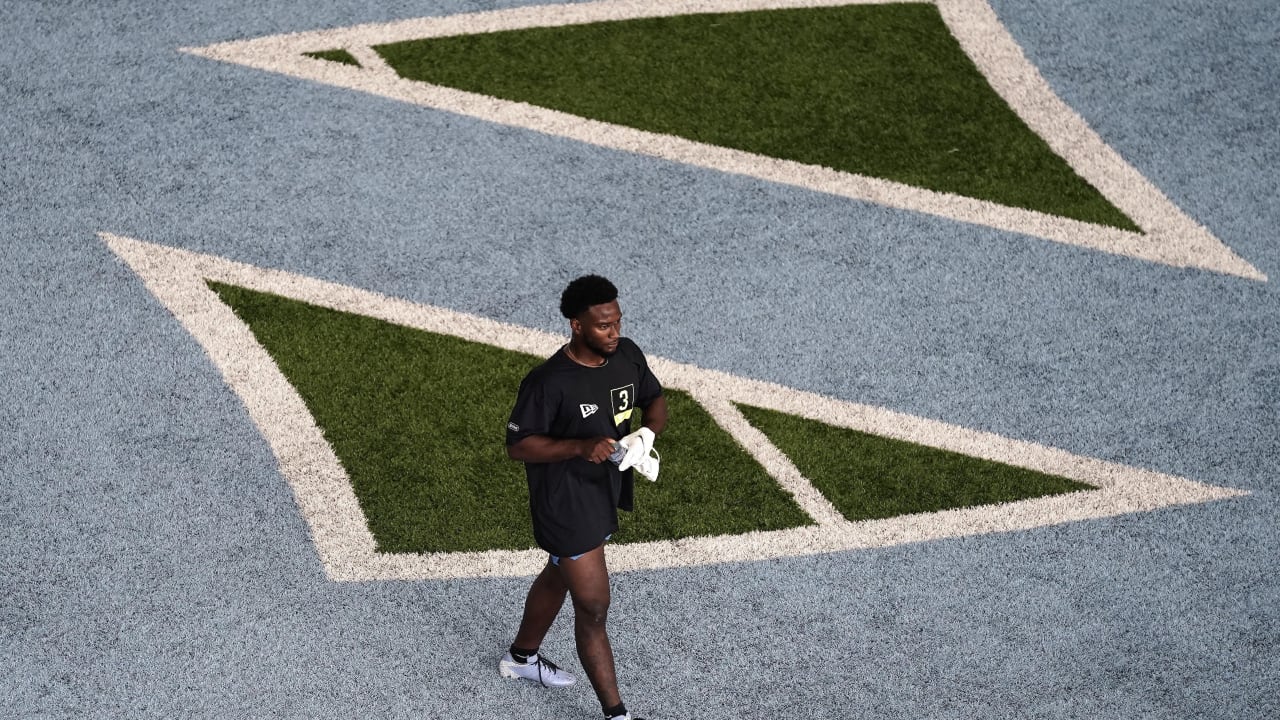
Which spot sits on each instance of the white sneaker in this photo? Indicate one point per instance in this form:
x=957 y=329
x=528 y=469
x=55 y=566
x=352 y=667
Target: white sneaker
x=648 y=467
x=538 y=669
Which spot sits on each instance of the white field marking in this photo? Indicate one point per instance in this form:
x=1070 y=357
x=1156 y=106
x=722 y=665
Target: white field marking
x=371 y=61
x=1169 y=236
x=1174 y=237
x=774 y=461
x=340 y=530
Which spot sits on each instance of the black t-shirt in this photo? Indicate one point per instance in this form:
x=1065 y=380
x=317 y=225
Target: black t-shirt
x=574 y=503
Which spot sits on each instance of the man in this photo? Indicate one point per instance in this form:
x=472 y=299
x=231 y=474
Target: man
x=572 y=413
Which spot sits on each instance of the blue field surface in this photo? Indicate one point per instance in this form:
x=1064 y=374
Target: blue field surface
x=154 y=561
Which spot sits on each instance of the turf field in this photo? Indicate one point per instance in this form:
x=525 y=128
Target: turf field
x=965 y=312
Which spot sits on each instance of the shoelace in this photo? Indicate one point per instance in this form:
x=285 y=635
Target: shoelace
x=552 y=669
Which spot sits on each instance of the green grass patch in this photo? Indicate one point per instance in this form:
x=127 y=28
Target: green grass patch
x=881 y=90
x=708 y=484
x=337 y=55
x=868 y=476
x=418 y=421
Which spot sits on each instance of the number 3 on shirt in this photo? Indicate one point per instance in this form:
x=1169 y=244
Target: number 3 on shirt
x=623 y=398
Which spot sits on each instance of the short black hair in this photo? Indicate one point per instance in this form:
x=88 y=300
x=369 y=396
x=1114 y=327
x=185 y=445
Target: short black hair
x=584 y=292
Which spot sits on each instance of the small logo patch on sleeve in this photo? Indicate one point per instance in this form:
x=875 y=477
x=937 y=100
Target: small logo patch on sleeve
x=513 y=427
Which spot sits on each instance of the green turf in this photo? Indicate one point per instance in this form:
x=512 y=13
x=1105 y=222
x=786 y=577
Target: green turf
x=881 y=90
x=708 y=485
x=418 y=421
x=867 y=476
x=337 y=55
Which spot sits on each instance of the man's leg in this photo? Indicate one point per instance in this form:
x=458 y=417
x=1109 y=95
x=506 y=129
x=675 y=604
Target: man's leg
x=587 y=579
x=541 y=606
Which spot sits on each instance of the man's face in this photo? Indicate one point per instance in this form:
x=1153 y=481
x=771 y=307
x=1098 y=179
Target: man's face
x=600 y=327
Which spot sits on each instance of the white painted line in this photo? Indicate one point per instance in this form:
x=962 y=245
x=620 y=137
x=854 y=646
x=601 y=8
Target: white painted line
x=320 y=485
x=339 y=528
x=519 y=18
x=1169 y=236
x=763 y=451
x=371 y=61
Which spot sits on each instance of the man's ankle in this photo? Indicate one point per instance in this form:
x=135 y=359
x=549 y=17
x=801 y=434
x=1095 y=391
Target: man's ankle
x=522 y=655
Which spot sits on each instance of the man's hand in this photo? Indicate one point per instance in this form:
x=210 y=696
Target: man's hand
x=595 y=450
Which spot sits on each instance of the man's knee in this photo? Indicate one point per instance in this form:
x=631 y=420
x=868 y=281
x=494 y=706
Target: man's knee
x=592 y=611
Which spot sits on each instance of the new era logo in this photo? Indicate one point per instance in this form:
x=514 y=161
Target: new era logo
x=587 y=410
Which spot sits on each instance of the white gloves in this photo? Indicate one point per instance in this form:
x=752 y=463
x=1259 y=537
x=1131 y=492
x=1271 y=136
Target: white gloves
x=638 y=445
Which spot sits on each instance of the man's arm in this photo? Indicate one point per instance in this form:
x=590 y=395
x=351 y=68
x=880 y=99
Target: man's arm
x=546 y=449
x=655 y=415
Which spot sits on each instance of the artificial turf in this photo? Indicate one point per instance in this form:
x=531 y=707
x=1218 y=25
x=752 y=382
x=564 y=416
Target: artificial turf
x=418 y=421
x=337 y=55
x=869 y=477
x=878 y=90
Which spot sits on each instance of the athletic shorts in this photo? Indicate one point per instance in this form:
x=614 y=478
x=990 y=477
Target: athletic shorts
x=555 y=559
